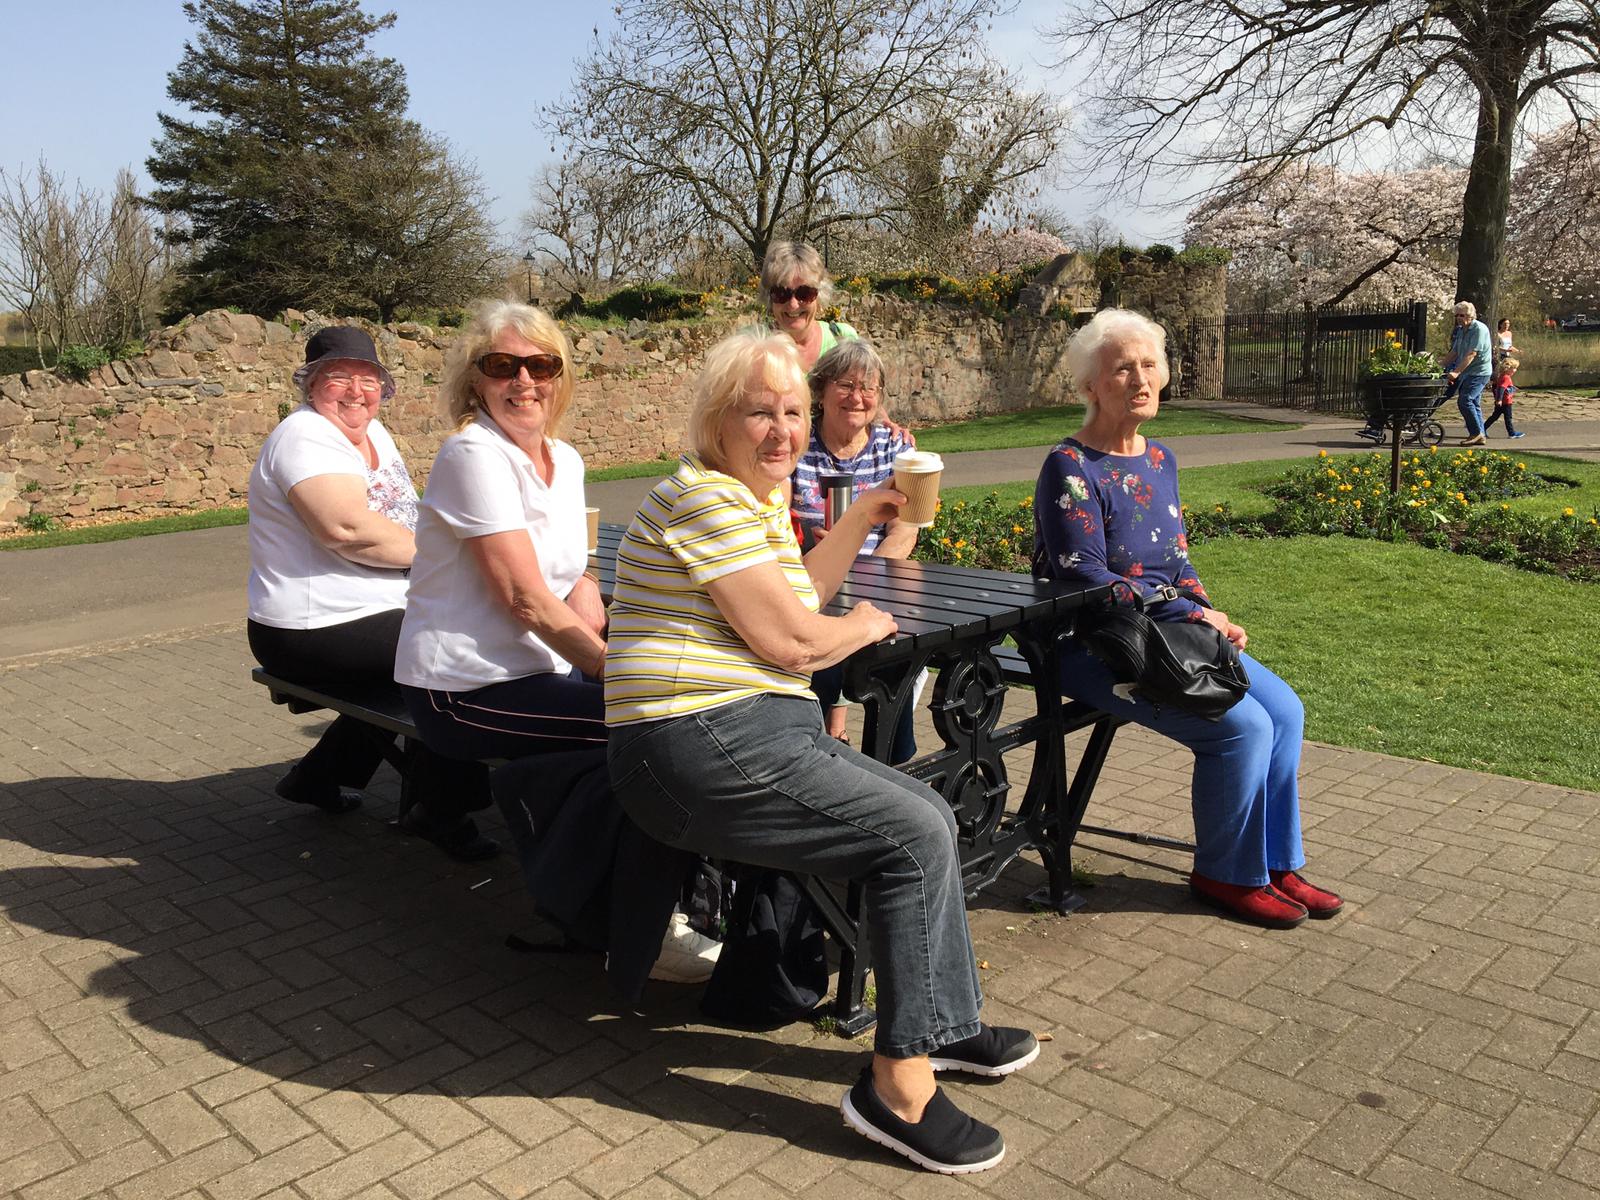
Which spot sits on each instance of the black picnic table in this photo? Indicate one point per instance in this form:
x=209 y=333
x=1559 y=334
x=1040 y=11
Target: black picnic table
x=958 y=620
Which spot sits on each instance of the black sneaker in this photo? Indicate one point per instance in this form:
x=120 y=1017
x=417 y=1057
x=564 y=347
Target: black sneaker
x=339 y=800
x=993 y=1050
x=459 y=839
x=946 y=1140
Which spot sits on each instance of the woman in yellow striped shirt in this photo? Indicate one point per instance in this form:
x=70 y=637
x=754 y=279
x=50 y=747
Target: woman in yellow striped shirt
x=717 y=744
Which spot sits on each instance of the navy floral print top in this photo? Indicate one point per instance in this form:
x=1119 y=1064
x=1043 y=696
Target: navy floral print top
x=1109 y=518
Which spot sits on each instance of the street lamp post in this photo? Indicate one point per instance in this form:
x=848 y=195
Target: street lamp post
x=528 y=261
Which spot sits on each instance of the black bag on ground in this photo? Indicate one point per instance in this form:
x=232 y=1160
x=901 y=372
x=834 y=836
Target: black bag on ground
x=1181 y=664
x=773 y=968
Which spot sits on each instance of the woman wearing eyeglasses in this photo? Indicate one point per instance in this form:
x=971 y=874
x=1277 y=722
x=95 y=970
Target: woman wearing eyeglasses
x=332 y=509
x=851 y=435
x=795 y=288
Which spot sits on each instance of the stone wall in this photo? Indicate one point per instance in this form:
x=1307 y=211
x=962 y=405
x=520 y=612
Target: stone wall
x=179 y=427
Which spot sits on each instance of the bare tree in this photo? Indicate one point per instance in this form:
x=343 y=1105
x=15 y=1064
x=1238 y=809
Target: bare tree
x=1263 y=83
x=771 y=112
x=1093 y=235
x=131 y=270
x=51 y=239
x=934 y=171
x=600 y=226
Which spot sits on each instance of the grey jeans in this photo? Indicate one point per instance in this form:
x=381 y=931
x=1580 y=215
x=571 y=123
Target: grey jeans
x=760 y=781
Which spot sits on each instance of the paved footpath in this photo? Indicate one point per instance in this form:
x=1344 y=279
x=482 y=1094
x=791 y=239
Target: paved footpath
x=208 y=994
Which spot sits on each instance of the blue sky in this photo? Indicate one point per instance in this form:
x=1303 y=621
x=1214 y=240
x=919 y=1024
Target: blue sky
x=87 y=90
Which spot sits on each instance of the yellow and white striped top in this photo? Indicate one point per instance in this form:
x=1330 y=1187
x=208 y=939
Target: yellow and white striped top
x=670 y=651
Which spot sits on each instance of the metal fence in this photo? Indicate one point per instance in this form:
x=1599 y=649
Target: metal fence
x=1308 y=359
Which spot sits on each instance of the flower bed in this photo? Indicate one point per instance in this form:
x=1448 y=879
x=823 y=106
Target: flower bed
x=1448 y=500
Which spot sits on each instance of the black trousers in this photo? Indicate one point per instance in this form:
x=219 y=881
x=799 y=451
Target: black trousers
x=361 y=652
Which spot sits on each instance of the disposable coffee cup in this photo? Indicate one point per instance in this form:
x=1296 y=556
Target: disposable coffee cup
x=838 y=490
x=916 y=474
x=592 y=517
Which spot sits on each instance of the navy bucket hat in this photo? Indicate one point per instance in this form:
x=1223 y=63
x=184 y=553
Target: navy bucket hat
x=340 y=342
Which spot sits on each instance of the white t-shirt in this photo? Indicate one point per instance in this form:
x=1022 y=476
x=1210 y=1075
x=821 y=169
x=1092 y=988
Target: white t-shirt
x=456 y=636
x=295 y=581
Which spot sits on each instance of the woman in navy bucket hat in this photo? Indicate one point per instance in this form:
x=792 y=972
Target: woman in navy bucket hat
x=332 y=510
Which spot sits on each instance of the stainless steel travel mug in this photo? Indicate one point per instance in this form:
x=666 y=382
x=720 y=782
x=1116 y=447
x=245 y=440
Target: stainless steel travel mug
x=838 y=490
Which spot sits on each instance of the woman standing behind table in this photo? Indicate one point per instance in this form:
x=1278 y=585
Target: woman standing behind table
x=332 y=508
x=851 y=435
x=795 y=289
x=1106 y=510
x=717 y=745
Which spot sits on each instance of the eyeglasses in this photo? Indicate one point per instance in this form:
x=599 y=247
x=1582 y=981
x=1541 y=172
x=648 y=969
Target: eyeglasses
x=540 y=367
x=805 y=293
x=353 y=383
x=848 y=388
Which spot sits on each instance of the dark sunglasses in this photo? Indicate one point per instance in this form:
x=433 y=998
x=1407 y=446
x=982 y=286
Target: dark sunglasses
x=505 y=366
x=805 y=293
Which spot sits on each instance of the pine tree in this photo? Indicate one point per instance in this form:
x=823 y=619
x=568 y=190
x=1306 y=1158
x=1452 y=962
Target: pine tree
x=280 y=88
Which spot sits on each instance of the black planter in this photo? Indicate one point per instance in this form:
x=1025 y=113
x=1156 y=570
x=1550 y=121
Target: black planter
x=1389 y=396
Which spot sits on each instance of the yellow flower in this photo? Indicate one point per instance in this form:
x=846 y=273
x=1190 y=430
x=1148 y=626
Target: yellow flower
x=1566 y=512
x=1357 y=503
x=1322 y=454
x=1505 y=508
x=1427 y=483
x=1522 y=466
x=944 y=541
x=1016 y=529
x=961 y=543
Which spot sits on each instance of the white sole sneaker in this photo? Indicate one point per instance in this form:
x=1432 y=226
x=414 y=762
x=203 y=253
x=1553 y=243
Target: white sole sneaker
x=967 y=1068
x=854 y=1120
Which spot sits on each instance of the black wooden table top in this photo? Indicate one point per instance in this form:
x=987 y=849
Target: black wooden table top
x=933 y=604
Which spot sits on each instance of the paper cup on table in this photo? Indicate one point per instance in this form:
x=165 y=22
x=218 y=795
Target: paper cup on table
x=916 y=474
x=592 y=517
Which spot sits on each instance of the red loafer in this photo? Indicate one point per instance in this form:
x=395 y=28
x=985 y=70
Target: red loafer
x=1319 y=904
x=1264 y=906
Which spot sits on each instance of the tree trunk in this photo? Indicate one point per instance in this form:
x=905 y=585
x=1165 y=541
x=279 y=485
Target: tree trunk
x=1480 y=253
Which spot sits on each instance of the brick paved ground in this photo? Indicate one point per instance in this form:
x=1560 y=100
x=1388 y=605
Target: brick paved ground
x=205 y=993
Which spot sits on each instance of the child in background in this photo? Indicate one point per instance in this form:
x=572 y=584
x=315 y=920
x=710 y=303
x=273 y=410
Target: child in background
x=1504 y=390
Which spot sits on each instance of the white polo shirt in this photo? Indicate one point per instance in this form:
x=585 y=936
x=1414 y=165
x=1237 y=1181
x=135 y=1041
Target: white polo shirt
x=295 y=581
x=456 y=636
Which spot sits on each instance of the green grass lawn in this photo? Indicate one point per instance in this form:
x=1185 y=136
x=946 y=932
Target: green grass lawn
x=118 y=531
x=1418 y=653
x=1046 y=426
x=1422 y=653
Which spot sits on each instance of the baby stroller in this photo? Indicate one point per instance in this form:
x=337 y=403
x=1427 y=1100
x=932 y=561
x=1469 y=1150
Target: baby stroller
x=1418 y=426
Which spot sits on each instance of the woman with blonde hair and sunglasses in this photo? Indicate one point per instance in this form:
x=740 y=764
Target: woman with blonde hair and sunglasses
x=795 y=289
x=503 y=645
x=502 y=648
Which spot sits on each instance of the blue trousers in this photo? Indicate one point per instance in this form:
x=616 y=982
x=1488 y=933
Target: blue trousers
x=1469 y=399
x=759 y=781
x=1245 y=794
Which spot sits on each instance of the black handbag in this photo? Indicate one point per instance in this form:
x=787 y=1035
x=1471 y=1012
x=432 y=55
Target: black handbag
x=1181 y=664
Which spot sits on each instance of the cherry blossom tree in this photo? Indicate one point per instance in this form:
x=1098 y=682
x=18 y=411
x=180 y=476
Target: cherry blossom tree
x=1267 y=84
x=1316 y=235
x=1555 y=216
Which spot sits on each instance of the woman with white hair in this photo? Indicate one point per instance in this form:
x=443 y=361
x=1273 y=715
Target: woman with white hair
x=718 y=746
x=1106 y=511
